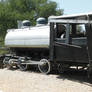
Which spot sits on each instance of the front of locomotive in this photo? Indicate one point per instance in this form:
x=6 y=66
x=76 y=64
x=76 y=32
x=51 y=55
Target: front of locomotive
x=27 y=41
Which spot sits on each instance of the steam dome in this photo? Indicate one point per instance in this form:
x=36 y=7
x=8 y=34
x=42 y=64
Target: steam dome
x=40 y=21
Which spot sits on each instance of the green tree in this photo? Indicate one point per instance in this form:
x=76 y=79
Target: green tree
x=13 y=10
x=36 y=8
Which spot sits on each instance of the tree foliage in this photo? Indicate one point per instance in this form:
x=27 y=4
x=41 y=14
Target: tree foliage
x=13 y=10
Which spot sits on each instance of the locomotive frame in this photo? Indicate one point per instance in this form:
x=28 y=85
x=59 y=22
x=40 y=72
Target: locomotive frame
x=72 y=50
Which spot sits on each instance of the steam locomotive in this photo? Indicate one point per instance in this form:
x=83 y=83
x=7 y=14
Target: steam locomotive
x=57 y=45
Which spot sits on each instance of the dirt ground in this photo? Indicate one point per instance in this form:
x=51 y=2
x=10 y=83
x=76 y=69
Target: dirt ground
x=29 y=81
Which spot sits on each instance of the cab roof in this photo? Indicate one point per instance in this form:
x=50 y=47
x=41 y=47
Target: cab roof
x=81 y=18
x=72 y=16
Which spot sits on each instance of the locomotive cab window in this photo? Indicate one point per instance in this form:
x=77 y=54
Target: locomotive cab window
x=78 y=35
x=60 y=30
x=78 y=30
x=74 y=34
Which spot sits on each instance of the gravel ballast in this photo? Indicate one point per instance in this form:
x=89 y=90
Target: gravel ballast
x=18 y=81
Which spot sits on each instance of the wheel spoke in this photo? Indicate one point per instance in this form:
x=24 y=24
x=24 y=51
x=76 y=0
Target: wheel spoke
x=45 y=67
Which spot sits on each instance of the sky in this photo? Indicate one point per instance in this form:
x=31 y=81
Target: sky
x=74 y=6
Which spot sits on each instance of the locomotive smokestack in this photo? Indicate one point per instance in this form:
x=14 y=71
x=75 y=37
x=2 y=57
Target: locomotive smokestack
x=19 y=22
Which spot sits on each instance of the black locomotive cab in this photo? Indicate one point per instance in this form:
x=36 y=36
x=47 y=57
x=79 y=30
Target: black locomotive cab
x=70 y=41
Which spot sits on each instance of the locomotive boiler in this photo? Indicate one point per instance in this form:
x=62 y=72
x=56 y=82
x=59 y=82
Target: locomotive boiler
x=28 y=37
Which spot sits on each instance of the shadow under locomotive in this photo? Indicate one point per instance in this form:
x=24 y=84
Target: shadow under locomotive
x=77 y=76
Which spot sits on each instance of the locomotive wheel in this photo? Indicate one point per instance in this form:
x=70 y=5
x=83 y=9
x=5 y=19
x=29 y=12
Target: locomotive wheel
x=23 y=67
x=6 y=63
x=6 y=60
x=45 y=67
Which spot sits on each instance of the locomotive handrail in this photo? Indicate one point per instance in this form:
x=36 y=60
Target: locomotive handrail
x=67 y=45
